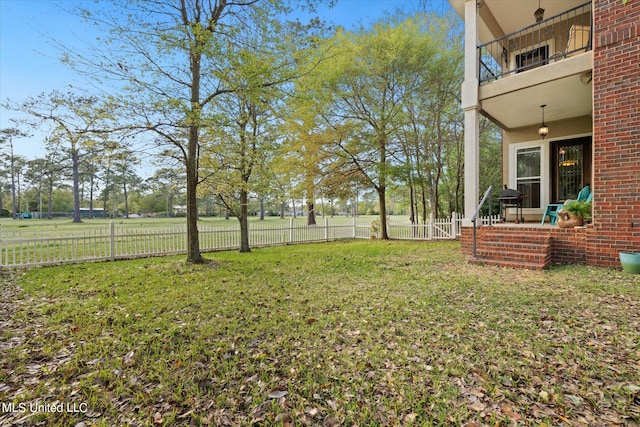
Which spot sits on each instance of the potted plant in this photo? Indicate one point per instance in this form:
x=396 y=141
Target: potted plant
x=630 y=262
x=573 y=214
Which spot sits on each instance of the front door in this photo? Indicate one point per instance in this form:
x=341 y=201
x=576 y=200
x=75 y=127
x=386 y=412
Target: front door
x=571 y=168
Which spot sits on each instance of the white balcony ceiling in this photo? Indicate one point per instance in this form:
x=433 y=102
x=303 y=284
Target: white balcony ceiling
x=564 y=86
x=514 y=15
x=565 y=98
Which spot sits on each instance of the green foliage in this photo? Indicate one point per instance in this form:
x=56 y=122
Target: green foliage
x=578 y=208
x=375 y=109
x=382 y=112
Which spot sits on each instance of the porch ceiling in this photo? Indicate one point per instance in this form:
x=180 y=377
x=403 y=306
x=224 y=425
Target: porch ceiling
x=564 y=86
x=501 y=17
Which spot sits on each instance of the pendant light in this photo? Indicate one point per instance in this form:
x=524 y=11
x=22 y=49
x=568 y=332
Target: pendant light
x=539 y=13
x=543 y=130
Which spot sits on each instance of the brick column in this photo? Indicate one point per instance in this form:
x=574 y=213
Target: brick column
x=616 y=131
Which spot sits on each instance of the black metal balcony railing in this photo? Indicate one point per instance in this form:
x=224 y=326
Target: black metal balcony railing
x=552 y=39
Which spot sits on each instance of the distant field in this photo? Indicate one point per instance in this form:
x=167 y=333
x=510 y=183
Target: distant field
x=64 y=225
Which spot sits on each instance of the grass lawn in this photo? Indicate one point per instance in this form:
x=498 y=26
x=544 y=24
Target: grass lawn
x=351 y=333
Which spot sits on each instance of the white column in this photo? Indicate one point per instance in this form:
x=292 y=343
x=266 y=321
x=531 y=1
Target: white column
x=471 y=108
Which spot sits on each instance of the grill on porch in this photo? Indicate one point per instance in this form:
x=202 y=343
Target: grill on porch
x=510 y=198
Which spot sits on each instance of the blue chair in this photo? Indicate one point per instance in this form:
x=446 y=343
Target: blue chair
x=585 y=195
x=552 y=213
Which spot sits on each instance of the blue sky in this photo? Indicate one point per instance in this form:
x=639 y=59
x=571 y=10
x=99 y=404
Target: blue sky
x=29 y=62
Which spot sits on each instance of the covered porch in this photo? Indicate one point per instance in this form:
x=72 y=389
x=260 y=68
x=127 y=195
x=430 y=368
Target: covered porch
x=516 y=63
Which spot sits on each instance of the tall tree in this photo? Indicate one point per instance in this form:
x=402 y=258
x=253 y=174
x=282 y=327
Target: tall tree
x=75 y=120
x=166 y=181
x=239 y=150
x=6 y=139
x=303 y=154
x=45 y=174
x=429 y=137
x=371 y=81
x=174 y=58
x=126 y=177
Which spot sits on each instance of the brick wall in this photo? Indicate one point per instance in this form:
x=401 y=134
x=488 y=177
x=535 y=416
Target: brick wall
x=616 y=132
x=568 y=245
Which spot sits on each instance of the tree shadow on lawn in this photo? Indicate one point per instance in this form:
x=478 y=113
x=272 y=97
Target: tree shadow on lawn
x=367 y=333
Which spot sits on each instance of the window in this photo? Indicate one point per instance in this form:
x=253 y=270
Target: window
x=526 y=54
x=528 y=175
x=532 y=58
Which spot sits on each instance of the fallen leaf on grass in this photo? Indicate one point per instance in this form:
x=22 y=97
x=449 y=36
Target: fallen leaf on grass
x=251 y=379
x=576 y=400
x=329 y=421
x=632 y=388
x=128 y=358
x=509 y=412
x=185 y=415
x=277 y=394
x=205 y=384
x=478 y=406
x=311 y=411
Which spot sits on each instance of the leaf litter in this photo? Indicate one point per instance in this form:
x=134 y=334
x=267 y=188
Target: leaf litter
x=367 y=339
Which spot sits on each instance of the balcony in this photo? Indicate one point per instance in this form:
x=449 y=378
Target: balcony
x=549 y=62
x=561 y=36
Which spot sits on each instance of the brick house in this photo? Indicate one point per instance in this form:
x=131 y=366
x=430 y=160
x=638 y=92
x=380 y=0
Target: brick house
x=581 y=61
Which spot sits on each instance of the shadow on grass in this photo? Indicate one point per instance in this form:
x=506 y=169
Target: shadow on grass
x=359 y=332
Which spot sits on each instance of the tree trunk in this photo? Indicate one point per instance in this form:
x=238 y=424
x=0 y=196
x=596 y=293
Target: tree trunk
x=311 y=214
x=382 y=200
x=13 y=183
x=244 y=222
x=106 y=191
x=126 y=200
x=423 y=202
x=50 y=200
x=261 y=209
x=412 y=212
x=193 y=242
x=91 y=183
x=382 y=187
x=75 y=159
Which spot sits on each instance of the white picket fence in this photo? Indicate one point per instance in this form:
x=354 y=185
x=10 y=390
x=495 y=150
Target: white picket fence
x=116 y=242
